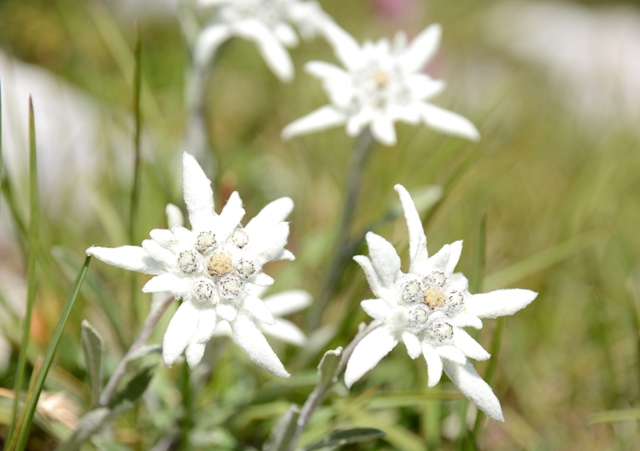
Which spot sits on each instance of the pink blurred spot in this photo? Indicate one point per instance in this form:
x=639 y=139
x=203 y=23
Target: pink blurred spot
x=390 y=8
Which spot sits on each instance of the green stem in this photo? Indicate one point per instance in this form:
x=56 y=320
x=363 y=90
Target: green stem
x=34 y=395
x=343 y=250
x=187 y=406
x=31 y=270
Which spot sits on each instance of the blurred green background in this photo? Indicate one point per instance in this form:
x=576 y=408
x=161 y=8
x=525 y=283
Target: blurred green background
x=557 y=179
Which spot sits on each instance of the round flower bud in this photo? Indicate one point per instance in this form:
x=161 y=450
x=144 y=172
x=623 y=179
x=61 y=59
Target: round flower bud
x=436 y=279
x=230 y=286
x=205 y=242
x=441 y=331
x=455 y=301
x=245 y=268
x=187 y=261
x=411 y=292
x=203 y=289
x=417 y=317
x=240 y=238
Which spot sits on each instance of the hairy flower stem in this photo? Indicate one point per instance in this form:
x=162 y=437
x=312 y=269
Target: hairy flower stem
x=343 y=250
x=320 y=392
x=149 y=324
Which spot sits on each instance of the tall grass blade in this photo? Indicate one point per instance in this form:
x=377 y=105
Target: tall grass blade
x=31 y=270
x=135 y=189
x=33 y=396
x=477 y=273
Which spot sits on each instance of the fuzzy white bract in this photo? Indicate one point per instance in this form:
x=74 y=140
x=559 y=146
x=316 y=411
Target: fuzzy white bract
x=215 y=268
x=426 y=308
x=270 y=24
x=381 y=83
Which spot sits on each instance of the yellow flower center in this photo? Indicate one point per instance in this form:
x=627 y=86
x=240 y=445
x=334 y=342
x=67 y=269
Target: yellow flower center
x=433 y=297
x=220 y=264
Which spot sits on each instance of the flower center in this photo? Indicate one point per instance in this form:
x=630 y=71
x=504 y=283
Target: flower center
x=434 y=297
x=240 y=238
x=187 y=261
x=205 y=242
x=381 y=78
x=220 y=264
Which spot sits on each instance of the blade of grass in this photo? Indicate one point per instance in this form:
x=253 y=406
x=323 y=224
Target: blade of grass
x=113 y=37
x=71 y=265
x=135 y=189
x=477 y=273
x=33 y=396
x=31 y=269
x=7 y=191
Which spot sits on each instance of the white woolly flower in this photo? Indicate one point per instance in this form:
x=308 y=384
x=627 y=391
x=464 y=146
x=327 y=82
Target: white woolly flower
x=381 y=83
x=214 y=268
x=269 y=23
x=426 y=308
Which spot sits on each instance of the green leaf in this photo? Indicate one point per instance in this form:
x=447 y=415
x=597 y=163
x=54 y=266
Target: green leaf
x=92 y=349
x=90 y=423
x=342 y=437
x=615 y=416
x=32 y=257
x=284 y=431
x=34 y=395
x=328 y=367
x=125 y=398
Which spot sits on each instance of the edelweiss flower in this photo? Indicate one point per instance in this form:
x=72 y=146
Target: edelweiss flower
x=214 y=268
x=279 y=304
x=426 y=308
x=380 y=84
x=269 y=23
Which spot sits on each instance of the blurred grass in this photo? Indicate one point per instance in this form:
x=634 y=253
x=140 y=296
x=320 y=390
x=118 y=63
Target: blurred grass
x=560 y=202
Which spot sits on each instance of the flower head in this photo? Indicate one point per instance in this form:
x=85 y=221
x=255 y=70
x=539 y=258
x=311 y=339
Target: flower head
x=381 y=83
x=215 y=268
x=426 y=308
x=269 y=23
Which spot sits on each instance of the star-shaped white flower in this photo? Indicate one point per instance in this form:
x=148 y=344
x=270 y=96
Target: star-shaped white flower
x=381 y=83
x=426 y=308
x=215 y=268
x=269 y=23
